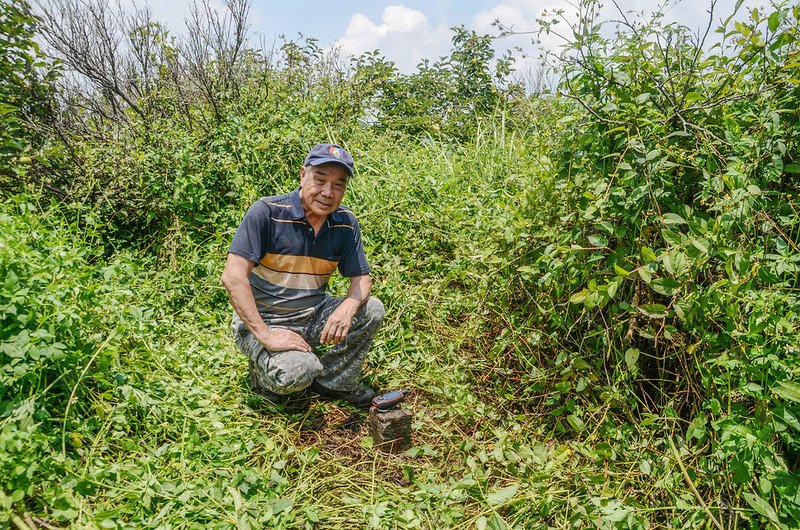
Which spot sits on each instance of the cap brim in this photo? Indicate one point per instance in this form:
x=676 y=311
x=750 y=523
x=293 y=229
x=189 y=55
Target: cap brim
x=319 y=162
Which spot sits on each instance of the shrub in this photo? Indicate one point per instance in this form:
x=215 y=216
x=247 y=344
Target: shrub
x=663 y=259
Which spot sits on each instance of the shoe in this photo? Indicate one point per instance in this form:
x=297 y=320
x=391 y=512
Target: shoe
x=272 y=397
x=361 y=397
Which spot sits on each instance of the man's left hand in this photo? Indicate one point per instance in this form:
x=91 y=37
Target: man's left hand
x=338 y=324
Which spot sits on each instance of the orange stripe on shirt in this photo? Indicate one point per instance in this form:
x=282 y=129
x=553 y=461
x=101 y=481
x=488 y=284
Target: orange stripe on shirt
x=298 y=264
x=291 y=280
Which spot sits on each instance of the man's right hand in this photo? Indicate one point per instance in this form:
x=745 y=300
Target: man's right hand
x=280 y=339
x=237 y=269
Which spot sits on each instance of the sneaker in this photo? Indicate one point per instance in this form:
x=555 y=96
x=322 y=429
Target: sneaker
x=361 y=397
x=270 y=396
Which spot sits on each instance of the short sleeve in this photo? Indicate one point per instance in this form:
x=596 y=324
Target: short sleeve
x=251 y=240
x=354 y=260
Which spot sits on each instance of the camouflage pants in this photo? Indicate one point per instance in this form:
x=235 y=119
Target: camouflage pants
x=336 y=368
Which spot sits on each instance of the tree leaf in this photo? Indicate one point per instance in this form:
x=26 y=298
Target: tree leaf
x=697 y=427
x=774 y=21
x=653 y=310
x=665 y=286
x=611 y=288
x=648 y=254
x=631 y=356
x=701 y=244
x=575 y=422
x=761 y=506
x=788 y=390
x=754 y=190
x=577 y=298
x=281 y=505
x=786 y=416
x=502 y=496
x=670 y=218
x=671 y=237
x=598 y=240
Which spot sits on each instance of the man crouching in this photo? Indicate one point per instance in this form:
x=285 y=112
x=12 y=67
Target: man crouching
x=277 y=273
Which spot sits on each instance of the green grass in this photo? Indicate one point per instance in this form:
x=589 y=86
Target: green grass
x=151 y=425
x=592 y=298
x=190 y=447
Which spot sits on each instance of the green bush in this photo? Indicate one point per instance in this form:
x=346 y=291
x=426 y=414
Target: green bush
x=663 y=255
x=66 y=316
x=593 y=295
x=25 y=96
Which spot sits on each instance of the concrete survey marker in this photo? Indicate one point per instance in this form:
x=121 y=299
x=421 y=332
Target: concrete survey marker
x=390 y=430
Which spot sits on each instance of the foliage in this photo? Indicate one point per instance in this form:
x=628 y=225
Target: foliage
x=73 y=325
x=592 y=295
x=670 y=226
x=58 y=320
x=167 y=144
x=445 y=99
x=24 y=96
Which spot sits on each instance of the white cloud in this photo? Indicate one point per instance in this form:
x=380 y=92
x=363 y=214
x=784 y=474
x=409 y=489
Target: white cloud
x=520 y=16
x=402 y=19
x=404 y=36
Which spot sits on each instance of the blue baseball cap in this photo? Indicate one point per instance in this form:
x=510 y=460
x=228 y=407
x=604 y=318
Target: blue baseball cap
x=324 y=153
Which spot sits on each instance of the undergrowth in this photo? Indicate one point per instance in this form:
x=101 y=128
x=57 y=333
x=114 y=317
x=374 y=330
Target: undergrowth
x=592 y=297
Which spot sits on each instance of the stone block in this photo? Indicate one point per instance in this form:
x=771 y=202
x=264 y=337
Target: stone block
x=390 y=431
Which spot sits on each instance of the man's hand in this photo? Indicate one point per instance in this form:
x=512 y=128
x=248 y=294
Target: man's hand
x=235 y=280
x=280 y=339
x=338 y=324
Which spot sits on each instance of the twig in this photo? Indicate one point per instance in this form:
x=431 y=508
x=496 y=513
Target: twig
x=75 y=388
x=789 y=241
x=45 y=524
x=688 y=480
x=19 y=523
x=572 y=95
x=30 y=521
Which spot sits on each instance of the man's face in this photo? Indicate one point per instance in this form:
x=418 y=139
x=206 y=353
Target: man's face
x=322 y=188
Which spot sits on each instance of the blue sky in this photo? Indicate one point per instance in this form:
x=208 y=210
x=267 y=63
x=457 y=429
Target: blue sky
x=409 y=30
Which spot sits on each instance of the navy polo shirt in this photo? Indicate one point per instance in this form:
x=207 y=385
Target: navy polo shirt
x=293 y=265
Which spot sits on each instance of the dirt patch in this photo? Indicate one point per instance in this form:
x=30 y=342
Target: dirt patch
x=337 y=430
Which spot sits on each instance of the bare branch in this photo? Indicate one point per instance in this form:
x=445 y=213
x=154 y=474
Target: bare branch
x=86 y=35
